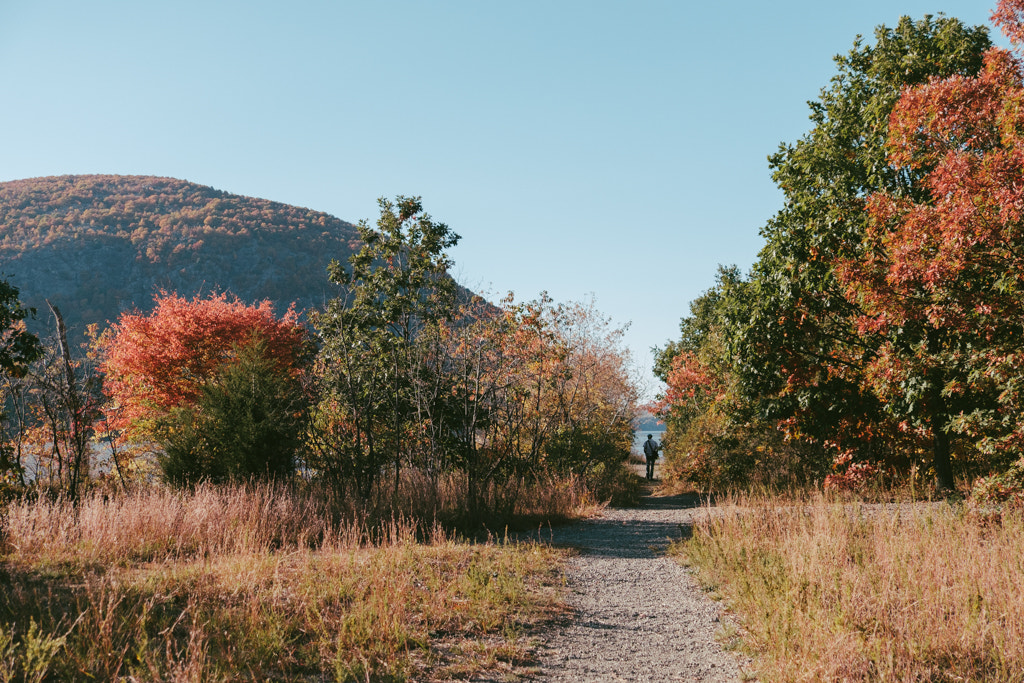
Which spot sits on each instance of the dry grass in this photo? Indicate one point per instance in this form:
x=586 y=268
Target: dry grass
x=254 y=584
x=849 y=592
x=514 y=504
x=159 y=524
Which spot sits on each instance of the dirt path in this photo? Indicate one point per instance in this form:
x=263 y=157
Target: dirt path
x=638 y=615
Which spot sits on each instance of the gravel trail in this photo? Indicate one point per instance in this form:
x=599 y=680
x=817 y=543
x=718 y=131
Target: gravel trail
x=637 y=614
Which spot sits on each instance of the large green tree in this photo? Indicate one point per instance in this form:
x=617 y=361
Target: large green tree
x=369 y=362
x=797 y=351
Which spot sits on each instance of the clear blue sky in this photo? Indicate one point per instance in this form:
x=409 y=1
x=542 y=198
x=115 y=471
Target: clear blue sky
x=584 y=146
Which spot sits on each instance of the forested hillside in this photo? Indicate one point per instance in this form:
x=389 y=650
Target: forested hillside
x=98 y=245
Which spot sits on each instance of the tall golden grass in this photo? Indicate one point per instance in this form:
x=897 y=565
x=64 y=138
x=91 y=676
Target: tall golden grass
x=160 y=524
x=513 y=503
x=832 y=591
x=255 y=583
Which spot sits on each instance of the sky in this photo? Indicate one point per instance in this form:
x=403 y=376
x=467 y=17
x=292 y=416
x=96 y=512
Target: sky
x=586 y=148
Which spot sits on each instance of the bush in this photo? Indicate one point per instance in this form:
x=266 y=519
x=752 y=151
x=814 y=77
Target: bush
x=715 y=453
x=994 y=494
x=246 y=424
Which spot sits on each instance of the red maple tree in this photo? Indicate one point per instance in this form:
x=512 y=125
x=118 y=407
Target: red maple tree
x=157 y=362
x=944 y=272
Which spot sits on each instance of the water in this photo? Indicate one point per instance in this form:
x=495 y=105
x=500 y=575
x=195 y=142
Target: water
x=640 y=435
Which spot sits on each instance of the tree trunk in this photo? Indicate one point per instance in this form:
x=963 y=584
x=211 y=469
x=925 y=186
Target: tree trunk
x=940 y=437
x=73 y=405
x=943 y=465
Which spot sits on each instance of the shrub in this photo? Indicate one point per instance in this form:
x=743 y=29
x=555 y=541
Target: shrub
x=993 y=494
x=247 y=423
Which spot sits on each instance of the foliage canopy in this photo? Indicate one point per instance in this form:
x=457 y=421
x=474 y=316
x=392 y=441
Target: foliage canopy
x=784 y=350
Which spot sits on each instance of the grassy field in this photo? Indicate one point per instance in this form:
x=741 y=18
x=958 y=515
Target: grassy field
x=255 y=584
x=826 y=591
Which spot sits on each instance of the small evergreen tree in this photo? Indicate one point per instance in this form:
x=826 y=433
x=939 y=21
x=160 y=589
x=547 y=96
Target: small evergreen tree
x=247 y=423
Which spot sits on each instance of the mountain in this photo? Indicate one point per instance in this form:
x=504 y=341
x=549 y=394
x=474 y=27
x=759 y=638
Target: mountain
x=99 y=245
x=646 y=421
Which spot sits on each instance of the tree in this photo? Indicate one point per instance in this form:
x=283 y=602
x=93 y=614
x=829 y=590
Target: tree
x=798 y=353
x=595 y=396
x=574 y=396
x=494 y=394
x=535 y=389
x=213 y=381
x=52 y=408
x=714 y=437
x=392 y=288
x=694 y=368
x=942 y=272
x=18 y=349
x=247 y=423
x=67 y=393
x=158 y=362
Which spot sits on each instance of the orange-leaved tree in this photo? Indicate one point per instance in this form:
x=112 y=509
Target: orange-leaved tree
x=540 y=389
x=168 y=360
x=943 y=271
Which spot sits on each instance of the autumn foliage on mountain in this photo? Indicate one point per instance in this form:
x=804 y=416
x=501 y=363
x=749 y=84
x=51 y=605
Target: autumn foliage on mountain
x=101 y=245
x=881 y=324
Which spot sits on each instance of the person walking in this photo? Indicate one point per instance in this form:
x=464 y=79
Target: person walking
x=651 y=448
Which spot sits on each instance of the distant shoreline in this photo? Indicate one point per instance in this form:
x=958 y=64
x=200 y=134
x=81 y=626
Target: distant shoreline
x=640 y=435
